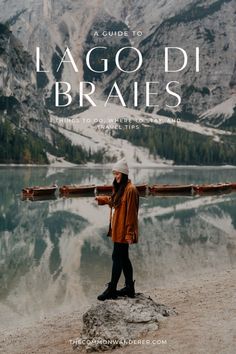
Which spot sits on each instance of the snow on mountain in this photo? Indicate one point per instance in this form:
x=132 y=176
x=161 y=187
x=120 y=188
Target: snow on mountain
x=220 y=113
x=91 y=129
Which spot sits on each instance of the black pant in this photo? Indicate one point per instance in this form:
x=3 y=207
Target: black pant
x=121 y=261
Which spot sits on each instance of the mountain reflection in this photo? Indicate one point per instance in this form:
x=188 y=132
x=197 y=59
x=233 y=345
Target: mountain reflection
x=55 y=253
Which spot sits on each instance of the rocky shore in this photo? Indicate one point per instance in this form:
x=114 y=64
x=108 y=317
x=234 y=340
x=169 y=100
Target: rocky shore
x=202 y=320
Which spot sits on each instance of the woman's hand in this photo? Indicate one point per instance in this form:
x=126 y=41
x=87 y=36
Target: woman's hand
x=102 y=199
x=98 y=198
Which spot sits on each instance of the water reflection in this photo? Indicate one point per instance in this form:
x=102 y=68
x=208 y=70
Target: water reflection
x=55 y=254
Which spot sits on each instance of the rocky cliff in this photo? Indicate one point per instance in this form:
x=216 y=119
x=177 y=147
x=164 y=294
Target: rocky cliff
x=20 y=98
x=208 y=96
x=209 y=25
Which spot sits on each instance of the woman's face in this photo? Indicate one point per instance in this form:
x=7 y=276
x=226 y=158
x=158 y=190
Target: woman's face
x=118 y=176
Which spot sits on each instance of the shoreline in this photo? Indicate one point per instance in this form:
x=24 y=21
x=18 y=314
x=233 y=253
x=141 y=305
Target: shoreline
x=206 y=322
x=108 y=166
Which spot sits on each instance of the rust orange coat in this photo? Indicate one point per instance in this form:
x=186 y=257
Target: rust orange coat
x=124 y=223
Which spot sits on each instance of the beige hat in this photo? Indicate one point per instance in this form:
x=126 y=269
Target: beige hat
x=121 y=166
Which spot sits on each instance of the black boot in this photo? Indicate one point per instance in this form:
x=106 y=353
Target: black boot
x=109 y=293
x=128 y=290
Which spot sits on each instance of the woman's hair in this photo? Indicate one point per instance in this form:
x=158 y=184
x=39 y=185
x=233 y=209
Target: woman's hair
x=118 y=190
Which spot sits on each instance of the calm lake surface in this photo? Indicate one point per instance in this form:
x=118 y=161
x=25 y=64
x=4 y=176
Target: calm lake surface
x=55 y=256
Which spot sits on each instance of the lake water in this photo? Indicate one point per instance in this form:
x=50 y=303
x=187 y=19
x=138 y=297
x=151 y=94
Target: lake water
x=55 y=256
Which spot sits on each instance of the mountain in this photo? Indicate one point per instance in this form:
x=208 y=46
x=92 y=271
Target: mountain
x=197 y=24
x=19 y=96
x=53 y=25
x=208 y=96
x=25 y=131
x=222 y=115
x=145 y=138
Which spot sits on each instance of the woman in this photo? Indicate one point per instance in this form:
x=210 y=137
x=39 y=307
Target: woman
x=123 y=230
